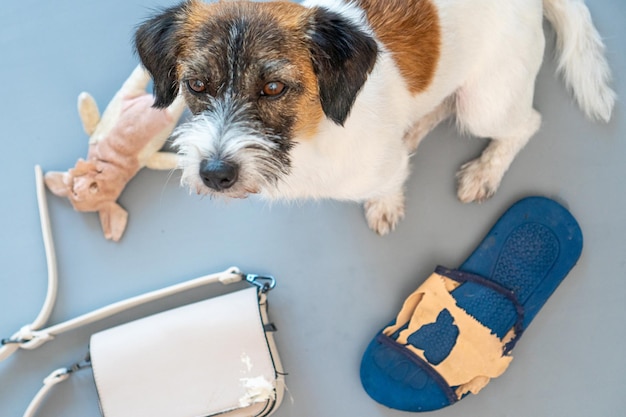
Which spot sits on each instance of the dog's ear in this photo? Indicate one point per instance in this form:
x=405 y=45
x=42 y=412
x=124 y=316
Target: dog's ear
x=343 y=56
x=157 y=43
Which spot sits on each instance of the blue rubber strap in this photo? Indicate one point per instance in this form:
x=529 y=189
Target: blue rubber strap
x=462 y=277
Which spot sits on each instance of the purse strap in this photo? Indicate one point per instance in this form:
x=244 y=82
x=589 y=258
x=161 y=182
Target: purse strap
x=33 y=335
x=55 y=377
x=25 y=334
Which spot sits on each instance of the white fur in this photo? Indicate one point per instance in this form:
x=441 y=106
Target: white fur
x=367 y=159
x=581 y=57
x=491 y=53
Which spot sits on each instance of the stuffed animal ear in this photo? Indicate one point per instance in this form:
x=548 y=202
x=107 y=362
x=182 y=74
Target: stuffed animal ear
x=88 y=112
x=343 y=56
x=56 y=184
x=157 y=44
x=113 y=219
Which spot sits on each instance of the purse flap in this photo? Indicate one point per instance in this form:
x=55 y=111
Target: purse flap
x=201 y=359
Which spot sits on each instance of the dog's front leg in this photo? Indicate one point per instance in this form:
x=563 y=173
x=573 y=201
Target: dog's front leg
x=479 y=179
x=384 y=207
x=384 y=213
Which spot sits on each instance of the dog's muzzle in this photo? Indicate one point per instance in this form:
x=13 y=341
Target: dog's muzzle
x=218 y=174
x=226 y=150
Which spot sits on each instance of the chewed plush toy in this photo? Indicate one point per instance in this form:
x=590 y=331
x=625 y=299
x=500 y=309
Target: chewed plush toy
x=127 y=137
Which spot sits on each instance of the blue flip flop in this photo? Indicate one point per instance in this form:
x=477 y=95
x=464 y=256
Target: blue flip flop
x=456 y=331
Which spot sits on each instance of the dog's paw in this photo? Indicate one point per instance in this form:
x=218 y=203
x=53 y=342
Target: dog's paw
x=477 y=181
x=383 y=214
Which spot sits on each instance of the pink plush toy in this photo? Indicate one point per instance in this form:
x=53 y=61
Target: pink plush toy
x=127 y=137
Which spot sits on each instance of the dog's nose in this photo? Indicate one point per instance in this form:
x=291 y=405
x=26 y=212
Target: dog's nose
x=218 y=174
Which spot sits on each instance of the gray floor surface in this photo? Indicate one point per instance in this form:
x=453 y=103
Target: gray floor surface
x=338 y=281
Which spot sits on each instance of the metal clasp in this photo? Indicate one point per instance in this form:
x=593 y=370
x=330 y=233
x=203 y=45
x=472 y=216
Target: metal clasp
x=263 y=282
x=12 y=341
x=85 y=363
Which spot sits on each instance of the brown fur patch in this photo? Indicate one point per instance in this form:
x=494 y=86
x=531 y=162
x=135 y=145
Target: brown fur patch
x=289 y=17
x=410 y=30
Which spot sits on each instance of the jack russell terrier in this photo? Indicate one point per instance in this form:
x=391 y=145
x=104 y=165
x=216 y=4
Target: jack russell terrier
x=329 y=98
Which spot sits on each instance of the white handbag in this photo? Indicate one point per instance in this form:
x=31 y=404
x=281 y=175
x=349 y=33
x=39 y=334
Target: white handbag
x=213 y=357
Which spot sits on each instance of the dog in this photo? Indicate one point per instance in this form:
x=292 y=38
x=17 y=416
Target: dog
x=330 y=98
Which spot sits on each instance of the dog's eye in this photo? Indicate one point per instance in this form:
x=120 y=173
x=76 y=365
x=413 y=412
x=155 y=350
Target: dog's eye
x=273 y=89
x=197 y=86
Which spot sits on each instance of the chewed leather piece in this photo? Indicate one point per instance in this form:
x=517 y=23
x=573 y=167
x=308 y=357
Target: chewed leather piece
x=465 y=352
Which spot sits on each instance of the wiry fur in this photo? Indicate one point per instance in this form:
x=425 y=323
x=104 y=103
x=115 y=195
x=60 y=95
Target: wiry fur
x=365 y=81
x=258 y=155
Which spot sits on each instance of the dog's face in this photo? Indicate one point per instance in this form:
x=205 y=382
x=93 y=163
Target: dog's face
x=258 y=77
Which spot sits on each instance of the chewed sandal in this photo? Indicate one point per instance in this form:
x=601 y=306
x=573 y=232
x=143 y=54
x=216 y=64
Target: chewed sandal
x=456 y=331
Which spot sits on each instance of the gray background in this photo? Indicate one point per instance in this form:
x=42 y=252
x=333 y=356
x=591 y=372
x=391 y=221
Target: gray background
x=338 y=282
